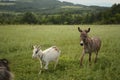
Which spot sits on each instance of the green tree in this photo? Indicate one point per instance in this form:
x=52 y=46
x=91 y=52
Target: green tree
x=117 y=16
x=29 y=18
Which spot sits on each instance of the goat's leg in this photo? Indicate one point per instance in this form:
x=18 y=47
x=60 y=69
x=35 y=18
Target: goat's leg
x=56 y=62
x=90 y=58
x=46 y=65
x=96 y=57
x=41 y=66
x=81 y=60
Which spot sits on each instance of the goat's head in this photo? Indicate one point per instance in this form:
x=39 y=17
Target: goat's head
x=36 y=50
x=83 y=35
x=4 y=63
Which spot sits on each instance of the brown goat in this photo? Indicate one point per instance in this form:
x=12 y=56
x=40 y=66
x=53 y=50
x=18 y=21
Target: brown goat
x=5 y=73
x=89 y=44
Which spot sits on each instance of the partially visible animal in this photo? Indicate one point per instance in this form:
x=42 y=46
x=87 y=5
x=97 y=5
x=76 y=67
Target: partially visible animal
x=89 y=44
x=46 y=56
x=5 y=73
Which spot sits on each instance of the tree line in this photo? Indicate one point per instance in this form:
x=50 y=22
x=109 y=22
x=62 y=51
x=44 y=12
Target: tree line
x=110 y=16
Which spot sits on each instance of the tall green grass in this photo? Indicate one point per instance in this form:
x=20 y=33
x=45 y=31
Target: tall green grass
x=16 y=43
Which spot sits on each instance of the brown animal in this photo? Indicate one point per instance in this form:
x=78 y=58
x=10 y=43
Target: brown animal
x=89 y=44
x=5 y=73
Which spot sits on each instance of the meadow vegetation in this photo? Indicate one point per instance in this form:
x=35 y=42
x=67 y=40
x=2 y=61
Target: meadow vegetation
x=16 y=43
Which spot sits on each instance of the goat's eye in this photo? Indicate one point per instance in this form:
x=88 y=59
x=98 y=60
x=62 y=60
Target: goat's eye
x=36 y=52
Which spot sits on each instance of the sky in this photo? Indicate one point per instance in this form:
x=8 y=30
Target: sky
x=107 y=3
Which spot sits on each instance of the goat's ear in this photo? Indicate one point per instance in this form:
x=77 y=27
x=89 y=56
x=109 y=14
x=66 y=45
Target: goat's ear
x=79 y=29
x=5 y=61
x=34 y=46
x=88 y=30
x=39 y=47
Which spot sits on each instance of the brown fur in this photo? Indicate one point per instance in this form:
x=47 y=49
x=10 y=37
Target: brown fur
x=5 y=73
x=89 y=44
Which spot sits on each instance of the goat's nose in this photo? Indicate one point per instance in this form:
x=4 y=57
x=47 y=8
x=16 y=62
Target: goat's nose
x=81 y=43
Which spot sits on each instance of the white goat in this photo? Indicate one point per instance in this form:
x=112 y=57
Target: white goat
x=50 y=54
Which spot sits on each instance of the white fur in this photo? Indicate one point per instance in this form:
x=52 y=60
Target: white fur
x=81 y=42
x=46 y=56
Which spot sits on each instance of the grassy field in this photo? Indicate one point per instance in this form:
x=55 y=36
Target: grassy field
x=16 y=45
x=3 y=4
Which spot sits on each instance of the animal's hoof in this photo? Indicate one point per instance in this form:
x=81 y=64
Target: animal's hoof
x=46 y=68
x=90 y=64
x=40 y=72
x=81 y=65
x=95 y=61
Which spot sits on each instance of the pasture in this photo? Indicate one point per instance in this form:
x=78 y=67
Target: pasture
x=16 y=43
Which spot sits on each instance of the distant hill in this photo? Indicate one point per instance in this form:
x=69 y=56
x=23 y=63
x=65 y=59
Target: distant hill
x=46 y=6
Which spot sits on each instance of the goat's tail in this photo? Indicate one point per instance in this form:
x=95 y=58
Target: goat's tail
x=57 y=49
